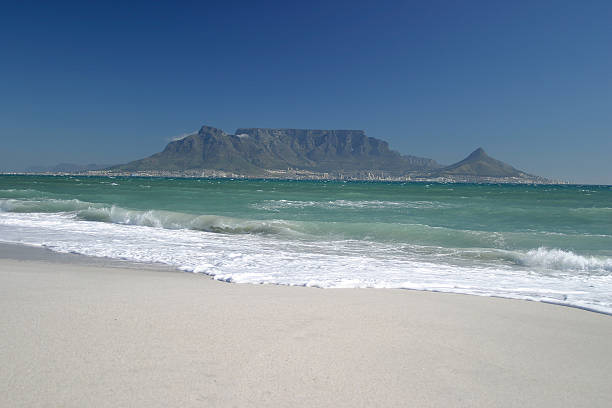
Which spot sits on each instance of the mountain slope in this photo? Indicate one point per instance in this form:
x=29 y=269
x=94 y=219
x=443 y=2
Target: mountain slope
x=253 y=150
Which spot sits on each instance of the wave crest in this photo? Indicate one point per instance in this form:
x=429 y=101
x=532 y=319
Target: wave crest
x=151 y=218
x=559 y=259
x=176 y=220
x=47 y=205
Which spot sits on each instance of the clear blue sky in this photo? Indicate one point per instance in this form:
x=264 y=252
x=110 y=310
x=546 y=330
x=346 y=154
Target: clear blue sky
x=108 y=82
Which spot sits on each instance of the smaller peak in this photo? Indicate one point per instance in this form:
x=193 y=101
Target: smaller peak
x=480 y=150
x=478 y=153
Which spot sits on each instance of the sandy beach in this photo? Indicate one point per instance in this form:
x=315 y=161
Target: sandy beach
x=78 y=332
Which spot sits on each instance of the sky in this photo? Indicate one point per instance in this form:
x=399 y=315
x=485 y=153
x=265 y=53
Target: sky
x=109 y=82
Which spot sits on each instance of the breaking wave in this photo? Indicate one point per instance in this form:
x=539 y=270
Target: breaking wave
x=150 y=218
x=377 y=232
x=176 y=220
x=502 y=245
x=47 y=205
x=558 y=259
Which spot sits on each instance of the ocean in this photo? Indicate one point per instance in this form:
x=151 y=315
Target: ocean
x=550 y=243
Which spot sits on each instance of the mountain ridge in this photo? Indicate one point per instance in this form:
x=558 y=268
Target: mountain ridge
x=311 y=154
x=255 y=150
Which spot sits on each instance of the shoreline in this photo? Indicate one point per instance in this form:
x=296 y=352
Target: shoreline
x=399 y=180
x=79 y=331
x=19 y=251
x=27 y=252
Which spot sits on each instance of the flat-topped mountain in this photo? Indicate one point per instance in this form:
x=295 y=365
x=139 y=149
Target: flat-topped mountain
x=252 y=151
x=479 y=164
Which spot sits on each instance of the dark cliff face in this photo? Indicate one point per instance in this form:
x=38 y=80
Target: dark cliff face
x=319 y=144
x=254 y=150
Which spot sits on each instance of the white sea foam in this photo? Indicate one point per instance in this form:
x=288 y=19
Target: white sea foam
x=44 y=205
x=152 y=218
x=257 y=258
x=558 y=259
x=274 y=205
x=593 y=210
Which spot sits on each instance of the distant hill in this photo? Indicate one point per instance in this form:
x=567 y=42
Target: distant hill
x=66 y=168
x=251 y=151
x=479 y=164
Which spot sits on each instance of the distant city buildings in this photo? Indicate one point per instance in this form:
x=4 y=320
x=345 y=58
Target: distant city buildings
x=298 y=174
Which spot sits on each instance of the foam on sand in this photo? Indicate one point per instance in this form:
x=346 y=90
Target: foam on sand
x=262 y=258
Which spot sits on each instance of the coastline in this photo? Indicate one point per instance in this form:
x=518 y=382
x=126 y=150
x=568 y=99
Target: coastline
x=81 y=331
x=300 y=176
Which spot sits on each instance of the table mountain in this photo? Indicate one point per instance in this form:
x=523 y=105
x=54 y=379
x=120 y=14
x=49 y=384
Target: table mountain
x=251 y=151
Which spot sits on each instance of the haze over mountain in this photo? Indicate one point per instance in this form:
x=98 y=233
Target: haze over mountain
x=253 y=150
x=65 y=168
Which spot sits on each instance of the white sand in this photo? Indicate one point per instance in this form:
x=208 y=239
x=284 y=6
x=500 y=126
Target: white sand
x=75 y=335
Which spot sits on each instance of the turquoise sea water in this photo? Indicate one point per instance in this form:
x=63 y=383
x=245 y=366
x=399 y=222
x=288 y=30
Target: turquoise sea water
x=551 y=243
